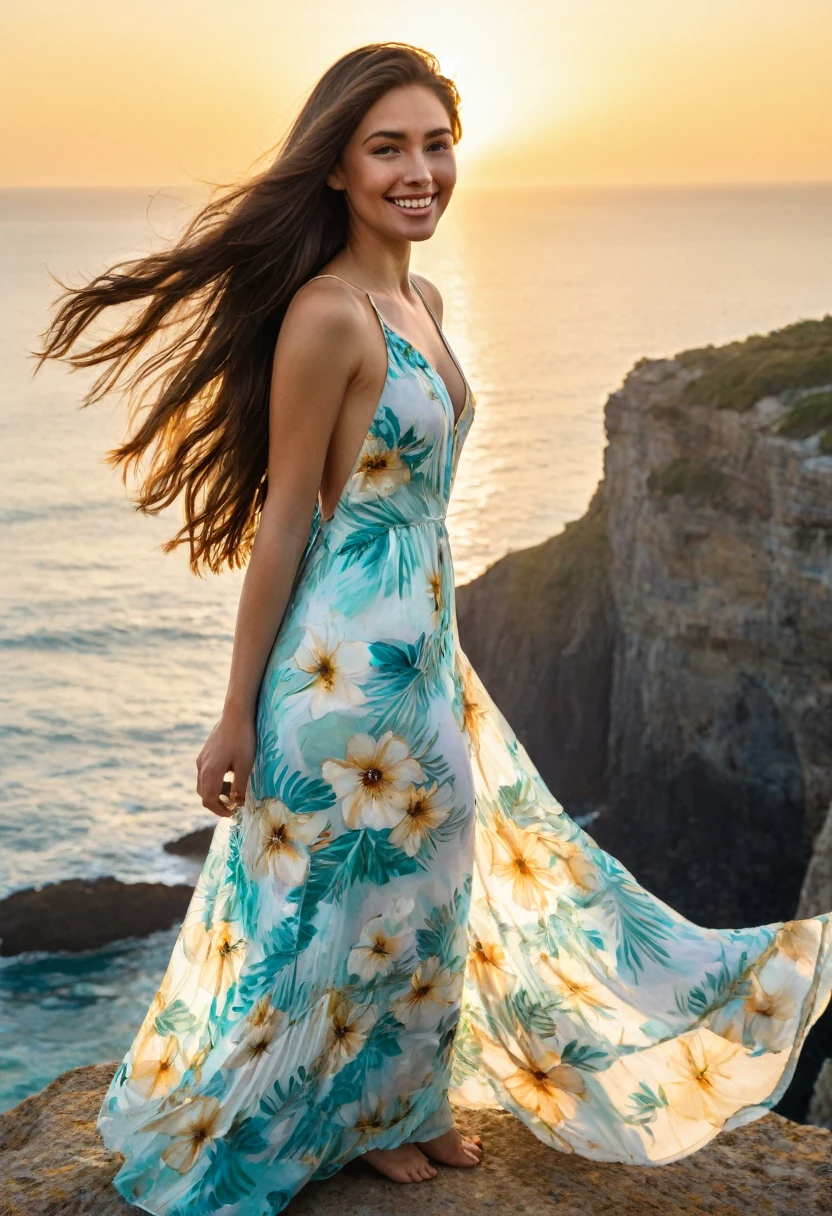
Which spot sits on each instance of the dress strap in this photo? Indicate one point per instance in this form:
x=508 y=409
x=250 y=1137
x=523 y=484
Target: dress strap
x=426 y=304
x=364 y=289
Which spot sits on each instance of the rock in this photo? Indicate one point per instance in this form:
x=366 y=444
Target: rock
x=816 y=893
x=83 y=914
x=52 y=1163
x=667 y=656
x=538 y=627
x=720 y=529
x=195 y=844
x=820 y=1108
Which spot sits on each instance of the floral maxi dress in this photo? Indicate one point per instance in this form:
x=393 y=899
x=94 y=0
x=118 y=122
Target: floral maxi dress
x=402 y=914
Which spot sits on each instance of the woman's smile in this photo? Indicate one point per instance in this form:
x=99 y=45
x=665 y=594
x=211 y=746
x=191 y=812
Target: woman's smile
x=419 y=204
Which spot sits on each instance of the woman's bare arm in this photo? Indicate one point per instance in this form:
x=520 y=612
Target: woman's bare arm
x=318 y=352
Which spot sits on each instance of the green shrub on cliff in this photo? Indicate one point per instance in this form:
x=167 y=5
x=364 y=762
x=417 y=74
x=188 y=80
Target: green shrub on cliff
x=810 y=416
x=734 y=376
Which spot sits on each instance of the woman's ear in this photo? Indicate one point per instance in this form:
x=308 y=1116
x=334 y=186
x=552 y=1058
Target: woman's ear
x=334 y=180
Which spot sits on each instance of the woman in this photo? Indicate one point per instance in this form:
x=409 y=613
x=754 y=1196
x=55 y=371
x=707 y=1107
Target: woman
x=322 y=1001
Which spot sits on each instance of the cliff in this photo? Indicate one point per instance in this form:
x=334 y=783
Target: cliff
x=668 y=656
x=52 y=1163
x=667 y=659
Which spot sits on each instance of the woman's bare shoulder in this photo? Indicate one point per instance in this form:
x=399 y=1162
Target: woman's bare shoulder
x=326 y=303
x=325 y=319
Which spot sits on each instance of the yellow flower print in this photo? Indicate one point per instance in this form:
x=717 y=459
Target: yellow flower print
x=535 y=1076
x=349 y=1025
x=577 y=868
x=193 y=1128
x=520 y=860
x=380 y=471
x=197 y=1061
x=473 y=710
x=332 y=663
x=434 y=590
x=366 y=1118
x=432 y=989
x=799 y=941
x=383 y=941
x=256 y=1034
x=425 y=810
x=280 y=844
x=157 y=1066
x=490 y=969
x=373 y=780
x=218 y=951
x=703 y=1085
x=570 y=979
x=766 y=1017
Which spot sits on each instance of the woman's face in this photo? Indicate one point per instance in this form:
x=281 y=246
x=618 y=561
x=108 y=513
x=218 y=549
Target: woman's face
x=399 y=169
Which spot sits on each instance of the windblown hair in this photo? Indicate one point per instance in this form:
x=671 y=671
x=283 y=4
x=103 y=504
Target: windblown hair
x=212 y=307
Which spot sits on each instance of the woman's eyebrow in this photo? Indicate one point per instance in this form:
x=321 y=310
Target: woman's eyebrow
x=403 y=134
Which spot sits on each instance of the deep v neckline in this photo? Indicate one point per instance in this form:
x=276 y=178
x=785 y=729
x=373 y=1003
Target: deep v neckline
x=455 y=419
x=469 y=396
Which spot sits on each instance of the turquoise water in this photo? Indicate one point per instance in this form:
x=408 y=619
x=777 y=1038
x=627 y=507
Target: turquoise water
x=114 y=658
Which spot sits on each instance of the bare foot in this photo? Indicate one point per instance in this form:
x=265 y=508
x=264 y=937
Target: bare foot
x=403 y=1164
x=452 y=1148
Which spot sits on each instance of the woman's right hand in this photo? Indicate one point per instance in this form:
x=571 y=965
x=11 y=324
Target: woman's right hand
x=229 y=747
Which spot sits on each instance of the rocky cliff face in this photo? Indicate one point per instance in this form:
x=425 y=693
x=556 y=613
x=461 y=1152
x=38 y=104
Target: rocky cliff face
x=720 y=530
x=52 y=1163
x=539 y=625
x=669 y=656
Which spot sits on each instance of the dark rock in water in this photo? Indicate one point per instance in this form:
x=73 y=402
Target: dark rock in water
x=53 y=1163
x=196 y=844
x=83 y=914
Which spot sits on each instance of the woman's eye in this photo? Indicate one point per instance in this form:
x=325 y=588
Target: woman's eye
x=437 y=144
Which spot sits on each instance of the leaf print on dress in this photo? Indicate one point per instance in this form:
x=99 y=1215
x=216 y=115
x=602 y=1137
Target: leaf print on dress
x=402 y=915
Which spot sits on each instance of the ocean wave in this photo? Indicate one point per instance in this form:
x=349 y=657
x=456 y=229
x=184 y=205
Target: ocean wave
x=110 y=637
x=57 y=510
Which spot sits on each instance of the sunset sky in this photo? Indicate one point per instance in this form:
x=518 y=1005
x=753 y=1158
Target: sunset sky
x=554 y=92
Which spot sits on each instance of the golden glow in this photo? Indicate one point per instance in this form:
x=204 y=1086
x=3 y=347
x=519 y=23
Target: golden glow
x=553 y=91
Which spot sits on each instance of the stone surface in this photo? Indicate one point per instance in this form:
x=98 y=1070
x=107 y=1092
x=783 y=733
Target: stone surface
x=195 y=844
x=820 y=1108
x=83 y=914
x=816 y=893
x=52 y=1163
x=538 y=628
x=720 y=749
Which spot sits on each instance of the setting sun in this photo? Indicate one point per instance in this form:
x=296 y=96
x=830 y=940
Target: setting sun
x=552 y=93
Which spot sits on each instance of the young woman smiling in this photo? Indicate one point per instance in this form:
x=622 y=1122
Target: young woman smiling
x=394 y=908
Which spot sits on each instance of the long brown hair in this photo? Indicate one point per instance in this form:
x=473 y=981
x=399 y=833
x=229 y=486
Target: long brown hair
x=221 y=291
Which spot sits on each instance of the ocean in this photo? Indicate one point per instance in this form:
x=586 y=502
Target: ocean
x=114 y=657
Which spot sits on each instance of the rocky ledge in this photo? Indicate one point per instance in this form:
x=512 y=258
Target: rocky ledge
x=52 y=1163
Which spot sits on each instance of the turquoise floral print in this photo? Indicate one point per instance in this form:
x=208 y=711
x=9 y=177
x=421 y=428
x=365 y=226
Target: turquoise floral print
x=402 y=916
